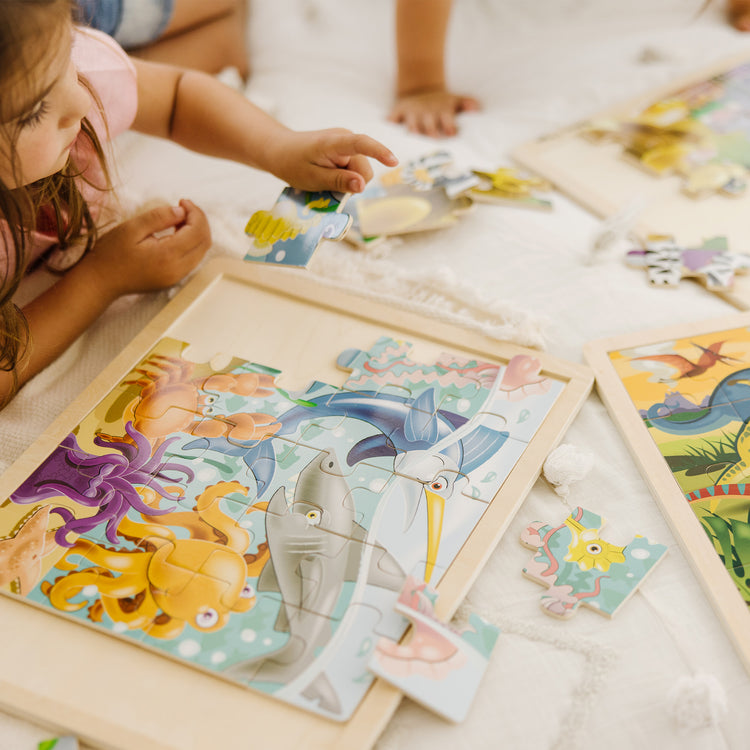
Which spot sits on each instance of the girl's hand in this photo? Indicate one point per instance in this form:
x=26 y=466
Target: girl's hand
x=131 y=258
x=333 y=159
x=432 y=113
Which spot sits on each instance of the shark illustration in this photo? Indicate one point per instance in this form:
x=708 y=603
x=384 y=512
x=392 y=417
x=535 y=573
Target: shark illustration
x=316 y=546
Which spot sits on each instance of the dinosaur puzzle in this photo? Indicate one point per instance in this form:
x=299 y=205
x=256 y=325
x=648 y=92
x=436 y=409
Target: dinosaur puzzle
x=693 y=395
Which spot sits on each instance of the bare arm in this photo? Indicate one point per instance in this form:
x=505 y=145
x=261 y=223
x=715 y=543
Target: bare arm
x=423 y=102
x=126 y=260
x=202 y=114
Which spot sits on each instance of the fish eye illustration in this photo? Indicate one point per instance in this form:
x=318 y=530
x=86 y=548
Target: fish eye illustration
x=313 y=517
x=594 y=548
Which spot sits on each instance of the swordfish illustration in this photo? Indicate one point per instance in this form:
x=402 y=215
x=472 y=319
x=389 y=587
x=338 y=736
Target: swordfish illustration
x=316 y=546
x=433 y=446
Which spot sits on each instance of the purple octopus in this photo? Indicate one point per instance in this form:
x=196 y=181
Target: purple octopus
x=105 y=482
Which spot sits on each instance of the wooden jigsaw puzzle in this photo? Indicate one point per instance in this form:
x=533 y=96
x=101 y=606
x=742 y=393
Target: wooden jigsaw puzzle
x=676 y=159
x=255 y=523
x=578 y=567
x=193 y=508
x=681 y=397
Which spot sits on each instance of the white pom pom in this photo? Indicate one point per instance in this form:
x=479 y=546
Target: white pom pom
x=697 y=701
x=565 y=465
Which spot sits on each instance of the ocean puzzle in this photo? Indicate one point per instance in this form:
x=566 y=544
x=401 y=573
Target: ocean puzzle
x=264 y=535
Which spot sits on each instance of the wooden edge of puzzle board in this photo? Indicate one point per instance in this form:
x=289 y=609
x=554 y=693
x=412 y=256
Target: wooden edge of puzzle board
x=696 y=546
x=603 y=180
x=79 y=679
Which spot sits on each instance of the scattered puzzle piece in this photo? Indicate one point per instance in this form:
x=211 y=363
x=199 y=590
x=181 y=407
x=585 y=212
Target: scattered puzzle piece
x=578 y=567
x=667 y=263
x=512 y=187
x=439 y=667
x=59 y=743
x=290 y=233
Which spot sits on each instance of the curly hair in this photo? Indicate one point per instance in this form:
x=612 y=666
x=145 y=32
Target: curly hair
x=30 y=31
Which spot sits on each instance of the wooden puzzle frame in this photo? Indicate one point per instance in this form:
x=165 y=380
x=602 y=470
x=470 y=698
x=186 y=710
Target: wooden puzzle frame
x=602 y=179
x=84 y=681
x=708 y=567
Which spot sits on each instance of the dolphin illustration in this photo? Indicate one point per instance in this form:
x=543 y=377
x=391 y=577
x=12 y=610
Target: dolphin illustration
x=315 y=546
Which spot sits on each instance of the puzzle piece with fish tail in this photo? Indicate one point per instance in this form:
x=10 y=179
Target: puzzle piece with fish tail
x=579 y=568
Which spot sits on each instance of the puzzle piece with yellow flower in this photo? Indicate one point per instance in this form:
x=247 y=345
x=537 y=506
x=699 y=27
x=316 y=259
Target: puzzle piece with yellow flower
x=578 y=567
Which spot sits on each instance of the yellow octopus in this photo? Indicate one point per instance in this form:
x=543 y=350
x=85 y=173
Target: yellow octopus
x=168 y=581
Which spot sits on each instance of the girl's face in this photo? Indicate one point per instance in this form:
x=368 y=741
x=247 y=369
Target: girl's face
x=45 y=125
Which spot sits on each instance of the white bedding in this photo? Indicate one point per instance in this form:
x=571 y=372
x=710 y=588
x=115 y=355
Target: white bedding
x=536 y=66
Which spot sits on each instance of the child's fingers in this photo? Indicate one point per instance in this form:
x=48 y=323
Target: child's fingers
x=158 y=219
x=354 y=144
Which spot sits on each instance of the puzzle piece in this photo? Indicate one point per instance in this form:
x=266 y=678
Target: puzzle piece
x=22 y=550
x=578 y=567
x=59 y=743
x=667 y=263
x=439 y=667
x=290 y=233
x=511 y=187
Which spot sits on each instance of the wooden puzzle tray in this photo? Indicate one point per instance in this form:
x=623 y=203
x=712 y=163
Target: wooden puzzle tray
x=605 y=179
x=680 y=397
x=149 y=525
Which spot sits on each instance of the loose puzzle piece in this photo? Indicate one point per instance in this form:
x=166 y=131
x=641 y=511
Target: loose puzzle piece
x=511 y=187
x=667 y=263
x=207 y=513
x=423 y=194
x=438 y=667
x=578 y=567
x=290 y=233
x=59 y=743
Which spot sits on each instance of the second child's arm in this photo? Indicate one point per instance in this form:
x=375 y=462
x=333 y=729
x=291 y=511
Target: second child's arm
x=202 y=114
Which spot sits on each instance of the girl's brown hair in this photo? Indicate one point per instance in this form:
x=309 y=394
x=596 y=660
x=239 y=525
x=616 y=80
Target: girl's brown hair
x=29 y=31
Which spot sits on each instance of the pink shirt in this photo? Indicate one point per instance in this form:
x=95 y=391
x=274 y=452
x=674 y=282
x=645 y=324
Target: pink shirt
x=110 y=73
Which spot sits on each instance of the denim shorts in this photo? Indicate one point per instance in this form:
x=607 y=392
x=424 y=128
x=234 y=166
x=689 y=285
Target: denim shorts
x=132 y=23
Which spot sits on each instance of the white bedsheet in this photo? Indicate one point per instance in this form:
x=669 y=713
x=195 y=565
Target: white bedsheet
x=536 y=66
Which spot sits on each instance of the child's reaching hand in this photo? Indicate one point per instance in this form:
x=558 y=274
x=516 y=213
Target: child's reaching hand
x=431 y=113
x=333 y=159
x=130 y=258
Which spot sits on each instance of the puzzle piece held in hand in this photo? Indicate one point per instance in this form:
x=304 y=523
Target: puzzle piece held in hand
x=438 y=667
x=290 y=233
x=578 y=567
x=667 y=262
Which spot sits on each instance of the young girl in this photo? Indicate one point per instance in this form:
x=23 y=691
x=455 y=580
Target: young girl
x=63 y=92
